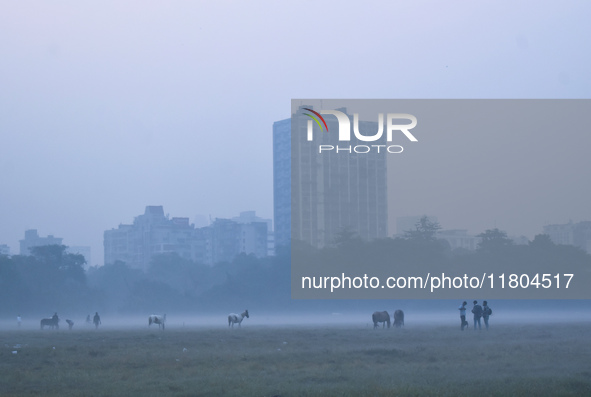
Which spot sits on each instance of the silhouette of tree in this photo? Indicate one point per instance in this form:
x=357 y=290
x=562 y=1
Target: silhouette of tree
x=494 y=240
x=425 y=230
x=345 y=237
x=542 y=241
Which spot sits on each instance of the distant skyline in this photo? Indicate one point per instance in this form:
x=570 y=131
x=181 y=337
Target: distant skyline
x=107 y=108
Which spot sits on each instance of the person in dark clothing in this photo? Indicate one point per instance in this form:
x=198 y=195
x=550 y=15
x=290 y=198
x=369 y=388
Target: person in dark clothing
x=486 y=312
x=96 y=320
x=477 y=310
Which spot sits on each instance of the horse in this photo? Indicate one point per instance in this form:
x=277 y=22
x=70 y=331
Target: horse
x=237 y=318
x=399 y=318
x=70 y=324
x=160 y=320
x=380 y=317
x=51 y=322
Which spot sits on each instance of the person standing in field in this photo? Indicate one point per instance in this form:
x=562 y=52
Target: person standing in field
x=96 y=320
x=462 y=309
x=486 y=312
x=19 y=320
x=477 y=310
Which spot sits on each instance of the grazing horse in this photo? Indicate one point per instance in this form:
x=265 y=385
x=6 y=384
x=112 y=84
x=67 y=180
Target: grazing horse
x=399 y=318
x=51 y=322
x=70 y=324
x=160 y=320
x=237 y=318
x=380 y=317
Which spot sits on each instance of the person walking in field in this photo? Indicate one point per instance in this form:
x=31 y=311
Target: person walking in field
x=486 y=312
x=477 y=310
x=462 y=309
x=96 y=320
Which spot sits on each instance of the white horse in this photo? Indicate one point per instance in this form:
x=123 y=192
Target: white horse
x=160 y=320
x=234 y=318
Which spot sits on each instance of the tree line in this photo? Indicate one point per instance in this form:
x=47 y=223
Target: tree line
x=50 y=279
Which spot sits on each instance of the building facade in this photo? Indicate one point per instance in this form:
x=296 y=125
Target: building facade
x=318 y=195
x=32 y=239
x=154 y=233
x=459 y=239
x=577 y=234
x=282 y=182
x=150 y=234
x=248 y=217
x=4 y=249
x=230 y=238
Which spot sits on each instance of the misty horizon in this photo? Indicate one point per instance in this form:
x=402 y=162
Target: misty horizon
x=98 y=123
x=517 y=238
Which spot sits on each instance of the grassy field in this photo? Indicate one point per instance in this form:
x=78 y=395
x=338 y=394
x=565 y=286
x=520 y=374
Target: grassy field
x=355 y=360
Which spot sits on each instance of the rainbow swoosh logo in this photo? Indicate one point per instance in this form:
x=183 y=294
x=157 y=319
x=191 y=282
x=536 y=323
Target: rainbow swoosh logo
x=315 y=119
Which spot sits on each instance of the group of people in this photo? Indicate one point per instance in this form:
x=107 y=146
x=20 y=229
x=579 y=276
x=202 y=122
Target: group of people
x=96 y=320
x=479 y=312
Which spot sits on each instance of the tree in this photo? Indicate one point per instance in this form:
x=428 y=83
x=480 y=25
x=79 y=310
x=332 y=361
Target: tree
x=542 y=241
x=425 y=230
x=55 y=257
x=345 y=237
x=182 y=274
x=494 y=240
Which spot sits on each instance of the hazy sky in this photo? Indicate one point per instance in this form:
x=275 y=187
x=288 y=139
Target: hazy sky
x=106 y=107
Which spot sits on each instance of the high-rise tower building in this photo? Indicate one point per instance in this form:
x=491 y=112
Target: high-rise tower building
x=282 y=181
x=331 y=191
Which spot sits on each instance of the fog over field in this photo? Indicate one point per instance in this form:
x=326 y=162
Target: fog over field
x=265 y=319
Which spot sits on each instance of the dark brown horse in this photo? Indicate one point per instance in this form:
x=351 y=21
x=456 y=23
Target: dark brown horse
x=52 y=322
x=380 y=317
x=399 y=318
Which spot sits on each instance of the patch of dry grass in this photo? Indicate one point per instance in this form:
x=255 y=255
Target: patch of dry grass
x=550 y=360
